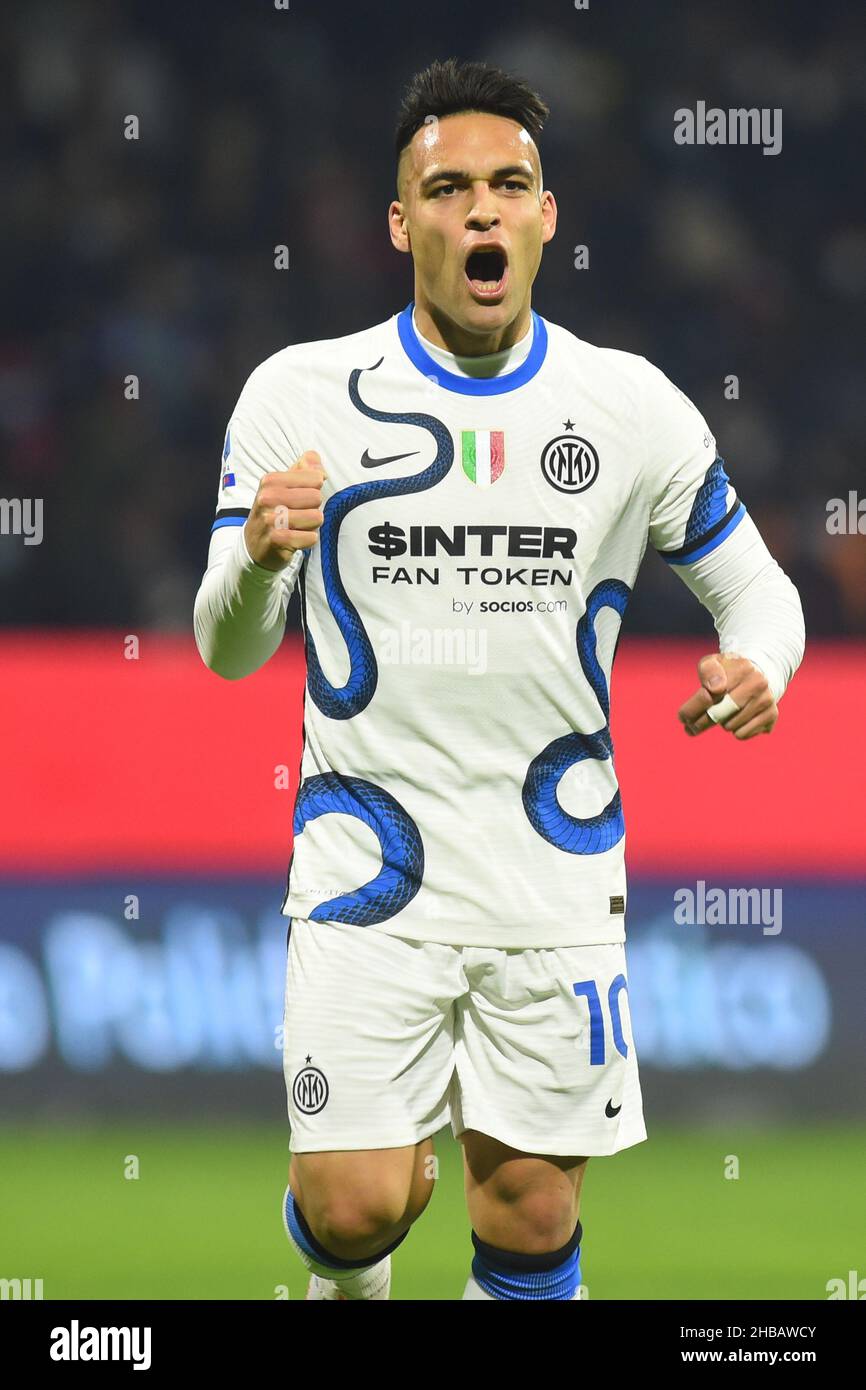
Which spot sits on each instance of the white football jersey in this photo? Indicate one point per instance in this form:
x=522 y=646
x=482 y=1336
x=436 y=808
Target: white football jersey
x=461 y=611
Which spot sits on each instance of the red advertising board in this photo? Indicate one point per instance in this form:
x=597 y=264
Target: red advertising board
x=157 y=764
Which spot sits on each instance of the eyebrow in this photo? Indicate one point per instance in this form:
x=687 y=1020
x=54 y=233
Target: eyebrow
x=463 y=176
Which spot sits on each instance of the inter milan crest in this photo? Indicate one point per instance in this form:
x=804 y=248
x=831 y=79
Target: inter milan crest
x=569 y=463
x=310 y=1090
x=483 y=455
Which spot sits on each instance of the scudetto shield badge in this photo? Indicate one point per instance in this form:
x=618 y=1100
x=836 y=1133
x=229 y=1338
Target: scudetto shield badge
x=483 y=455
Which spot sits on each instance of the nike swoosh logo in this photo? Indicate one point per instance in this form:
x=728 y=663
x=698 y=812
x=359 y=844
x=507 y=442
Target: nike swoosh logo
x=367 y=462
x=611 y=1110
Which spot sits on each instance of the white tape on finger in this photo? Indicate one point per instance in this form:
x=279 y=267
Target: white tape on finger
x=723 y=711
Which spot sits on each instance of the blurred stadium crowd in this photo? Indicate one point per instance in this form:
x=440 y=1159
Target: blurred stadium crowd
x=260 y=127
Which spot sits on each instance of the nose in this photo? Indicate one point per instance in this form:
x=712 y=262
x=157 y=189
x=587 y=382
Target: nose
x=482 y=215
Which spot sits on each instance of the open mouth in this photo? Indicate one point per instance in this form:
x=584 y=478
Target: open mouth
x=487 y=272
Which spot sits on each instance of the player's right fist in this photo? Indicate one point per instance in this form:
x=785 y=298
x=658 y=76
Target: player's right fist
x=287 y=513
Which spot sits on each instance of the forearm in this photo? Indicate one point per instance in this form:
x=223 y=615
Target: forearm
x=240 y=609
x=754 y=605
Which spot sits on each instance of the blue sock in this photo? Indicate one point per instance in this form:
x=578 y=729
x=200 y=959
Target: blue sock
x=508 y=1274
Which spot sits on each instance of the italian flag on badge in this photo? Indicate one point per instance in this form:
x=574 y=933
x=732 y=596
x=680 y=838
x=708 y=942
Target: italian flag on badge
x=483 y=455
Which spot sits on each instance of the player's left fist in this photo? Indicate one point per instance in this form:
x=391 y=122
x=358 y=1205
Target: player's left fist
x=724 y=675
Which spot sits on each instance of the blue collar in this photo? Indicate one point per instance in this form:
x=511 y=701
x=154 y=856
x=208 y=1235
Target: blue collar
x=471 y=385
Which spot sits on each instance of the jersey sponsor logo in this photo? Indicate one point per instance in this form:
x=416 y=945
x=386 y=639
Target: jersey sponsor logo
x=429 y=542
x=542 y=542
x=612 y=1110
x=310 y=1090
x=483 y=453
x=569 y=463
x=368 y=462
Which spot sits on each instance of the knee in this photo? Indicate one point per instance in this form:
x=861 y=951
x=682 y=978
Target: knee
x=353 y=1223
x=534 y=1217
x=545 y=1219
x=348 y=1213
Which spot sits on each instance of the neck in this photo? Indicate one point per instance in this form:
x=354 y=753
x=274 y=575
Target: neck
x=437 y=328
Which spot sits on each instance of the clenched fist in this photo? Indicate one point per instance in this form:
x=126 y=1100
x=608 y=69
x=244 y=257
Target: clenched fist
x=287 y=513
x=725 y=673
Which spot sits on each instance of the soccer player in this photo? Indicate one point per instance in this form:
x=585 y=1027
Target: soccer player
x=463 y=493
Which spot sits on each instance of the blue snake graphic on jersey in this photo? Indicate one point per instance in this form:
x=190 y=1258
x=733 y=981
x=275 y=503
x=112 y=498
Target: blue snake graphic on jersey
x=344 y=702
x=402 y=851
x=399 y=838
x=579 y=834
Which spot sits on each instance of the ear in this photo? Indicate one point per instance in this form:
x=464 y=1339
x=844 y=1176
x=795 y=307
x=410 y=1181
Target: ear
x=398 y=227
x=549 y=214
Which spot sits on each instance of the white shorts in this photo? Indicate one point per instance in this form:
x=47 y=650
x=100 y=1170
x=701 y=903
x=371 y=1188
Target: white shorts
x=387 y=1039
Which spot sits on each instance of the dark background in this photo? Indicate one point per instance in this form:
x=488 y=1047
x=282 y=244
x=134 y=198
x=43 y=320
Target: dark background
x=261 y=127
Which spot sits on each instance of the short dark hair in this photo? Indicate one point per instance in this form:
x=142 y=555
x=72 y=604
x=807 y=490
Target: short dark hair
x=446 y=88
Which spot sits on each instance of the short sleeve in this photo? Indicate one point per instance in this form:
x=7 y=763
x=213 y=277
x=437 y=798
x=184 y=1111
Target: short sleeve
x=256 y=442
x=693 y=505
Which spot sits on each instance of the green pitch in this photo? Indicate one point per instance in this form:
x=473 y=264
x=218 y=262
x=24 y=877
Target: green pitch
x=202 y=1220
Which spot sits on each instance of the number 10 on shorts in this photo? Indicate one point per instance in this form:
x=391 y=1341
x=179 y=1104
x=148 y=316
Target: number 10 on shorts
x=596 y=1019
